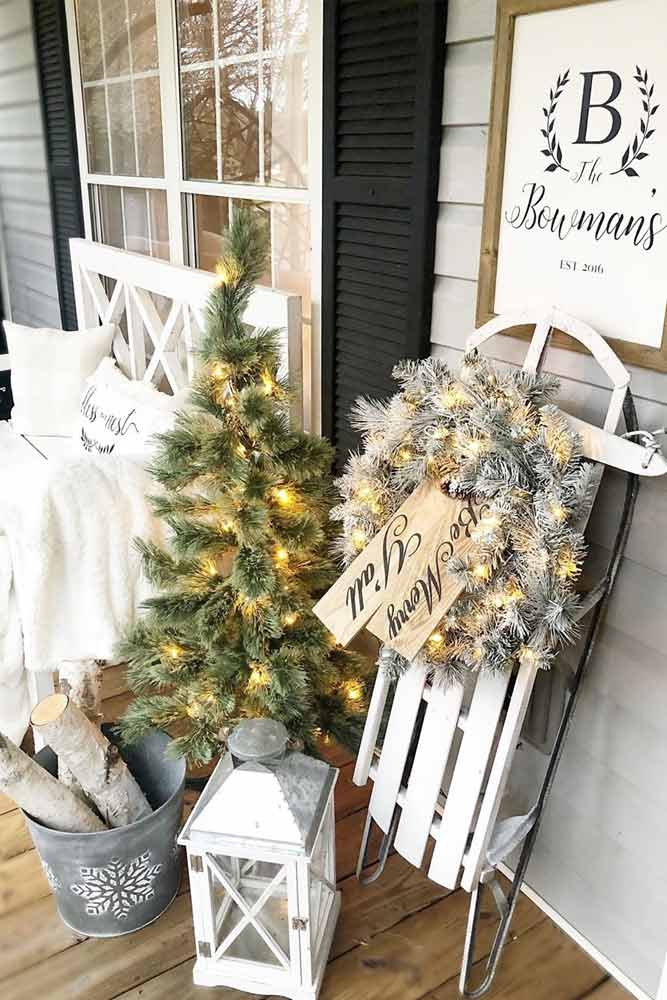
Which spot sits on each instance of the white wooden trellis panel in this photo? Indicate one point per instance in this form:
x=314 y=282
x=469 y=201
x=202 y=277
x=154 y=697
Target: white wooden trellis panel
x=172 y=342
x=489 y=735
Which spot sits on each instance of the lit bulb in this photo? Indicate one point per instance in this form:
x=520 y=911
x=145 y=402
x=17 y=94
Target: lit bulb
x=283 y=496
x=220 y=371
x=358 y=539
x=440 y=433
x=226 y=525
x=559 y=513
x=436 y=639
x=567 y=567
x=241 y=450
x=281 y=555
x=267 y=383
x=290 y=618
x=481 y=571
x=172 y=651
x=353 y=691
x=209 y=567
x=452 y=397
x=404 y=455
x=258 y=678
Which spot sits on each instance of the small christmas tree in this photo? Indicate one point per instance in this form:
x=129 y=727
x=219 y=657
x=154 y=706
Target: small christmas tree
x=231 y=633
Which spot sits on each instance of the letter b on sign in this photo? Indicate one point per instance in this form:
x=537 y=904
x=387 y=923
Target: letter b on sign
x=607 y=105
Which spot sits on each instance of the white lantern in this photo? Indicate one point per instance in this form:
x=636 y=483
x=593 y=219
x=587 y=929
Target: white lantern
x=261 y=853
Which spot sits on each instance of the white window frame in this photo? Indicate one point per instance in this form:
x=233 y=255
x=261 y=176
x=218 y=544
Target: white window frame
x=176 y=186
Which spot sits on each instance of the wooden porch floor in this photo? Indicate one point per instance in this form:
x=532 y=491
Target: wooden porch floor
x=397 y=939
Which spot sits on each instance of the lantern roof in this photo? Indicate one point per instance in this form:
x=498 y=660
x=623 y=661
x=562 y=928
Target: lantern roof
x=276 y=803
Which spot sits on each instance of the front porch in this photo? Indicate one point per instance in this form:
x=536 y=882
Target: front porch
x=397 y=939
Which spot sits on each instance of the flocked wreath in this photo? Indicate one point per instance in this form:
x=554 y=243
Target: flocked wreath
x=489 y=434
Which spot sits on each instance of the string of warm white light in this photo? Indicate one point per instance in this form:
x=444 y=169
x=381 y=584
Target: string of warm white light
x=488 y=434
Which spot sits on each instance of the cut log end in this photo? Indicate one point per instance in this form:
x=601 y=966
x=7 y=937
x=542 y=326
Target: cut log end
x=49 y=709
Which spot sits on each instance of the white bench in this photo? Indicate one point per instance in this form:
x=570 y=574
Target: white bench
x=163 y=309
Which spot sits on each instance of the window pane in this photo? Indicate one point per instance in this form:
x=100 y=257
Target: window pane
x=96 y=130
x=148 y=116
x=239 y=123
x=286 y=120
x=195 y=31
x=285 y=24
x=288 y=229
x=199 y=129
x=237 y=20
x=119 y=96
x=123 y=113
x=249 y=123
x=132 y=219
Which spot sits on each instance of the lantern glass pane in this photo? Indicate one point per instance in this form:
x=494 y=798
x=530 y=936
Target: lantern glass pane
x=322 y=882
x=250 y=910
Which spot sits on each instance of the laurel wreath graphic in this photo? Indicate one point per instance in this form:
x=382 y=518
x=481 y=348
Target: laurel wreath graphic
x=635 y=152
x=553 y=148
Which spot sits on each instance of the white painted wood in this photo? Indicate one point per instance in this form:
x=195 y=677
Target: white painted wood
x=467 y=86
x=476 y=859
x=397 y=741
x=468 y=19
x=584 y=943
x=138 y=280
x=171 y=125
x=458 y=240
x=662 y=988
x=371 y=728
x=468 y=777
x=428 y=769
x=462 y=162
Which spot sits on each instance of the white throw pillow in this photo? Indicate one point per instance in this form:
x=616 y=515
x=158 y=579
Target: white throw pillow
x=48 y=370
x=119 y=416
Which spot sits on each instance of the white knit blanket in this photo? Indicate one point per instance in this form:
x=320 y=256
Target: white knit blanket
x=70 y=578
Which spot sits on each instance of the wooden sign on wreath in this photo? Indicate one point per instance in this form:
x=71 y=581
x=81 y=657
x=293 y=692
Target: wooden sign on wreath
x=398 y=587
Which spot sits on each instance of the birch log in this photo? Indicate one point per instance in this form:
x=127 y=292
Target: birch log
x=96 y=763
x=40 y=794
x=81 y=681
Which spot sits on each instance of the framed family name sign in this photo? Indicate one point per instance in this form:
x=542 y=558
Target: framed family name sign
x=576 y=200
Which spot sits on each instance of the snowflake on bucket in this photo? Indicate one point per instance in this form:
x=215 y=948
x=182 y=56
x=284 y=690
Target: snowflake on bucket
x=117 y=886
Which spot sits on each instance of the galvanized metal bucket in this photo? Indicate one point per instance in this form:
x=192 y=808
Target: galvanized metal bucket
x=116 y=881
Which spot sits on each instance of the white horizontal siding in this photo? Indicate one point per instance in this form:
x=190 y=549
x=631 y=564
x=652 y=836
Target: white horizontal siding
x=25 y=215
x=598 y=860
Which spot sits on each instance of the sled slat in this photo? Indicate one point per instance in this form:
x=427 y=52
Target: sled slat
x=466 y=784
x=371 y=728
x=396 y=745
x=495 y=787
x=433 y=749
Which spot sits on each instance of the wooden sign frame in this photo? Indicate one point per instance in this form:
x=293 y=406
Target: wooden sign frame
x=642 y=355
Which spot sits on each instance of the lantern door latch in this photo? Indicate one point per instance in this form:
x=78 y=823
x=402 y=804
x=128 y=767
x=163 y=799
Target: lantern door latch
x=204 y=949
x=196 y=863
x=299 y=924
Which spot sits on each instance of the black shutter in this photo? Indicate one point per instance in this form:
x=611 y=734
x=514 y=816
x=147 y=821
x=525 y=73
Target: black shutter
x=50 y=28
x=383 y=72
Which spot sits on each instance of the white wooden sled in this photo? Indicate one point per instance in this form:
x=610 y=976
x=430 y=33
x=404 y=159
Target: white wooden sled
x=445 y=758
